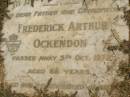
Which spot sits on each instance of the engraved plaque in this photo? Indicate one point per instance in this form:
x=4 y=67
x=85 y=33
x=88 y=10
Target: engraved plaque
x=67 y=40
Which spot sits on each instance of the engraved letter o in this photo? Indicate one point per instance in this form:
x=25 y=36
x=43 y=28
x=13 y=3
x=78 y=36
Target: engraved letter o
x=36 y=43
